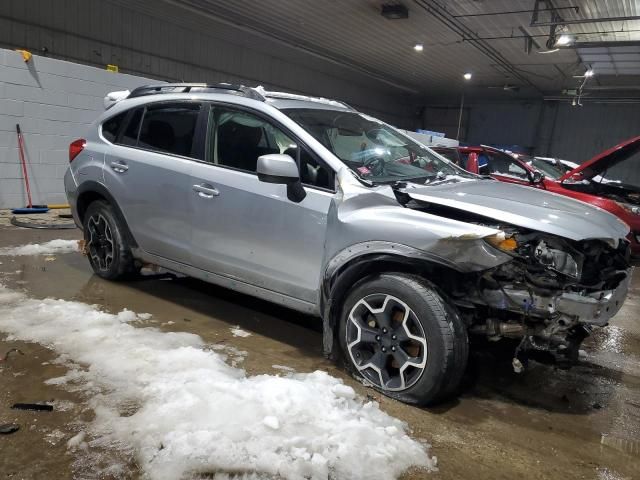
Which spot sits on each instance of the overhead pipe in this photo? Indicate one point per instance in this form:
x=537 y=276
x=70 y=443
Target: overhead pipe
x=622 y=88
x=441 y=14
x=612 y=100
x=603 y=43
x=562 y=21
x=575 y=8
x=525 y=34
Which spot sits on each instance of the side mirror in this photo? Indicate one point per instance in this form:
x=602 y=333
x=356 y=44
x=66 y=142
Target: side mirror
x=577 y=177
x=537 y=177
x=281 y=169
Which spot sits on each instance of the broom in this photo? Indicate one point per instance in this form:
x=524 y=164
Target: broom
x=30 y=208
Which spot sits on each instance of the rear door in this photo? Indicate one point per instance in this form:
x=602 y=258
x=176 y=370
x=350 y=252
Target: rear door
x=148 y=171
x=249 y=230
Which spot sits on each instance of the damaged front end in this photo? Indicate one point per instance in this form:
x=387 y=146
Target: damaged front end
x=550 y=295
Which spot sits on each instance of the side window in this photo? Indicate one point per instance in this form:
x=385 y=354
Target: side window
x=464 y=159
x=312 y=172
x=505 y=165
x=130 y=134
x=111 y=127
x=450 y=154
x=239 y=138
x=169 y=128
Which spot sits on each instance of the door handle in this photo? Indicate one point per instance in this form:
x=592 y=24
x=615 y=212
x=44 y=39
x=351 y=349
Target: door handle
x=119 y=167
x=206 y=191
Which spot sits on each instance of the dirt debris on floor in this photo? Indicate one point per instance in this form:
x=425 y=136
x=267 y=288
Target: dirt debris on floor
x=545 y=424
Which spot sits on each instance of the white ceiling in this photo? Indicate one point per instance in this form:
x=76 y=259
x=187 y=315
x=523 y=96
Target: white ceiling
x=354 y=32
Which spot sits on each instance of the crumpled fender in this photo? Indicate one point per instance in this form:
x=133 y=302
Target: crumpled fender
x=366 y=224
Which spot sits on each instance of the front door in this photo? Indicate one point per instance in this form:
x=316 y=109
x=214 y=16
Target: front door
x=503 y=167
x=248 y=230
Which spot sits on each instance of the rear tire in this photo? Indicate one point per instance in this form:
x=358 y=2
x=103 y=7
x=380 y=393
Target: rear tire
x=106 y=243
x=400 y=335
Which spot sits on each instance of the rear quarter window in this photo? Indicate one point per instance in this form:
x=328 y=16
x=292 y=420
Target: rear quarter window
x=111 y=127
x=130 y=134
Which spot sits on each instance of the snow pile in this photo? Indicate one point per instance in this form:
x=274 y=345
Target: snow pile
x=238 y=332
x=47 y=248
x=182 y=410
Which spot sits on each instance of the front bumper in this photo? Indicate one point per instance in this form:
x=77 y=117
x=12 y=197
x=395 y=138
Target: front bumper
x=592 y=309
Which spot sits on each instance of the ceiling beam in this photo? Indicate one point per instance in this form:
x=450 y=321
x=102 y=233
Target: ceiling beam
x=444 y=16
x=603 y=43
x=561 y=21
x=575 y=8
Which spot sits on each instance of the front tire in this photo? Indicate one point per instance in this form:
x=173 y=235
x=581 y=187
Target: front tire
x=402 y=337
x=106 y=245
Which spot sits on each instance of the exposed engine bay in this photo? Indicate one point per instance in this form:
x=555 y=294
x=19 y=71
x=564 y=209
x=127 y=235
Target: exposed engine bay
x=614 y=190
x=550 y=296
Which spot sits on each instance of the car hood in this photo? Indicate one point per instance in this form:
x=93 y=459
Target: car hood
x=524 y=207
x=605 y=160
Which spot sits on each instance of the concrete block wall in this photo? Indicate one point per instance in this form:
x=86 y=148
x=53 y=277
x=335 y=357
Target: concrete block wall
x=53 y=101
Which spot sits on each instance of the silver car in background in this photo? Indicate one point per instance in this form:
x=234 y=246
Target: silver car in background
x=307 y=203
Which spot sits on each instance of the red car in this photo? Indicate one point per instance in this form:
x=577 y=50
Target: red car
x=610 y=180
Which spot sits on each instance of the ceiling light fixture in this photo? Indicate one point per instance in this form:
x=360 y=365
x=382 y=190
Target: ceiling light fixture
x=565 y=40
x=553 y=50
x=395 y=12
x=589 y=73
x=418 y=47
x=467 y=76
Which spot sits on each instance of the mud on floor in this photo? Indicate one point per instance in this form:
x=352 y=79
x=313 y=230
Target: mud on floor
x=545 y=424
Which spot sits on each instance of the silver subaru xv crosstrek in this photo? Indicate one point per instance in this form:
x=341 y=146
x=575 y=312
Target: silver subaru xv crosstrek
x=308 y=203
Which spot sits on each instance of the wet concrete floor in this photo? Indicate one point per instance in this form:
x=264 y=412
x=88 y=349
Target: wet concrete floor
x=545 y=424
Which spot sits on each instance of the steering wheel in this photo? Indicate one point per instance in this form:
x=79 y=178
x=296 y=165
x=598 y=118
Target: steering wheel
x=377 y=166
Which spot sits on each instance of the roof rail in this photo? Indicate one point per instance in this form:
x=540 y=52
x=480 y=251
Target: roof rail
x=199 y=87
x=294 y=96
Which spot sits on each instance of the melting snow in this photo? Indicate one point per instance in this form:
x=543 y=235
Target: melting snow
x=47 y=248
x=238 y=332
x=182 y=410
x=283 y=367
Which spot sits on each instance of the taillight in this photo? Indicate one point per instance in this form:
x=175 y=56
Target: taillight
x=75 y=148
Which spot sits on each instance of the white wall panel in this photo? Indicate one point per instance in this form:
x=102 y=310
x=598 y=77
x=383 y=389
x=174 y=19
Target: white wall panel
x=54 y=102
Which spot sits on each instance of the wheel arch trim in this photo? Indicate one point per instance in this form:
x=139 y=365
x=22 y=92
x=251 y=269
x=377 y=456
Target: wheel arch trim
x=357 y=261
x=96 y=188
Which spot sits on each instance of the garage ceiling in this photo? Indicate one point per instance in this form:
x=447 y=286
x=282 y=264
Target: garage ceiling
x=456 y=39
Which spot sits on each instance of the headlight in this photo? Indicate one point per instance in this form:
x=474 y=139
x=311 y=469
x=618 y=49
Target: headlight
x=502 y=242
x=557 y=260
x=630 y=208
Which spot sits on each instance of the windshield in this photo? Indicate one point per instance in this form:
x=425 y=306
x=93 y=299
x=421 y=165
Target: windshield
x=619 y=168
x=624 y=174
x=372 y=149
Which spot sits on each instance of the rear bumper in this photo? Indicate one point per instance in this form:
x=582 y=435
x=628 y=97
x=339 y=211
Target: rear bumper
x=71 y=190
